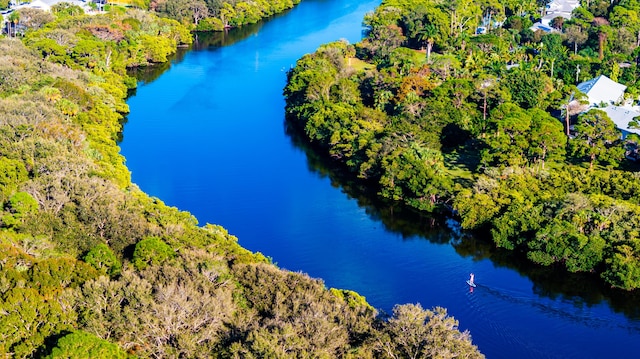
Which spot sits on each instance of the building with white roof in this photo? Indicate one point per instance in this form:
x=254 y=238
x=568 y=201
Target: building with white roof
x=602 y=90
x=542 y=27
x=622 y=116
x=47 y=4
x=37 y=4
x=546 y=20
x=554 y=9
x=559 y=8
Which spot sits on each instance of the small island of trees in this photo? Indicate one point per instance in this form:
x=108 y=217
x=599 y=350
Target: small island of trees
x=461 y=107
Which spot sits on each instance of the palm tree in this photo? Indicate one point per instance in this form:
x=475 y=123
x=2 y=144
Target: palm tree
x=483 y=85
x=574 y=103
x=427 y=35
x=14 y=19
x=576 y=35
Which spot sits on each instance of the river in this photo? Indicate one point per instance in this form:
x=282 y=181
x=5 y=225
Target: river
x=206 y=134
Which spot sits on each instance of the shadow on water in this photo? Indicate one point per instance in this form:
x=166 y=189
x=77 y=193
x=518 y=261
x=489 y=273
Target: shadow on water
x=201 y=41
x=212 y=40
x=583 y=290
x=397 y=218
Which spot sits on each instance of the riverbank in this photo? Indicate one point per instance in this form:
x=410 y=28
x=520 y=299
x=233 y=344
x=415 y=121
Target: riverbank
x=286 y=204
x=102 y=263
x=433 y=134
x=205 y=16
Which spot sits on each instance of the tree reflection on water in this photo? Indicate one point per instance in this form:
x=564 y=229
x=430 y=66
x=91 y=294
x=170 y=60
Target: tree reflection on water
x=554 y=282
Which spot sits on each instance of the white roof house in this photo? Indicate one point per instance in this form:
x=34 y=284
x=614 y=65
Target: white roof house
x=559 y=8
x=555 y=8
x=602 y=90
x=540 y=26
x=621 y=116
x=38 y=4
x=546 y=20
x=47 y=4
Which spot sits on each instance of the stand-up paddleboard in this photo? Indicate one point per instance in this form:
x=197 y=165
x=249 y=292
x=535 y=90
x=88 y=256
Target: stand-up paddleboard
x=471 y=284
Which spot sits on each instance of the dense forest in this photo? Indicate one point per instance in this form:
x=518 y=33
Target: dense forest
x=460 y=107
x=199 y=15
x=218 y=15
x=90 y=266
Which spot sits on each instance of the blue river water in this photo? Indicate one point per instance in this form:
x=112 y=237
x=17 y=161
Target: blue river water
x=207 y=135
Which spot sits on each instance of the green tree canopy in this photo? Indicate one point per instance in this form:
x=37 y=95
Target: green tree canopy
x=413 y=332
x=596 y=139
x=517 y=137
x=528 y=88
x=102 y=258
x=80 y=344
x=151 y=251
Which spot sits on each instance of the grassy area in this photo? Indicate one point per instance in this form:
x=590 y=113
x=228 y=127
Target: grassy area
x=359 y=65
x=420 y=56
x=461 y=165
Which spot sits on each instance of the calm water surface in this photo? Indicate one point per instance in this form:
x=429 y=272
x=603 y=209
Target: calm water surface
x=208 y=136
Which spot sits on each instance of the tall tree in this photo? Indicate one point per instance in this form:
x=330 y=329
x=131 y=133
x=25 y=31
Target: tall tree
x=596 y=139
x=604 y=31
x=557 y=23
x=80 y=344
x=492 y=11
x=14 y=19
x=574 y=34
x=198 y=9
x=547 y=142
x=463 y=15
x=528 y=88
x=35 y=18
x=574 y=103
x=428 y=35
x=508 y=136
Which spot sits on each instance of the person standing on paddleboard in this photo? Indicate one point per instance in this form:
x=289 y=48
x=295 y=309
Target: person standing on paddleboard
x=471 y=276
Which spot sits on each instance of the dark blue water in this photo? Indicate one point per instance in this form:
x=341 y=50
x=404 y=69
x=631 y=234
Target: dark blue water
x=208 y=136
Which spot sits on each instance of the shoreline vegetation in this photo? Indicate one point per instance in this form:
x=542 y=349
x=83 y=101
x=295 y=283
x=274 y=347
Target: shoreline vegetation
x=216 y=15
x=462 y=108
x=195 y=15
x=92 y=266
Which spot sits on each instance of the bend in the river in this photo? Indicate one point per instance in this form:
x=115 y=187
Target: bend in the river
x=206 y=134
